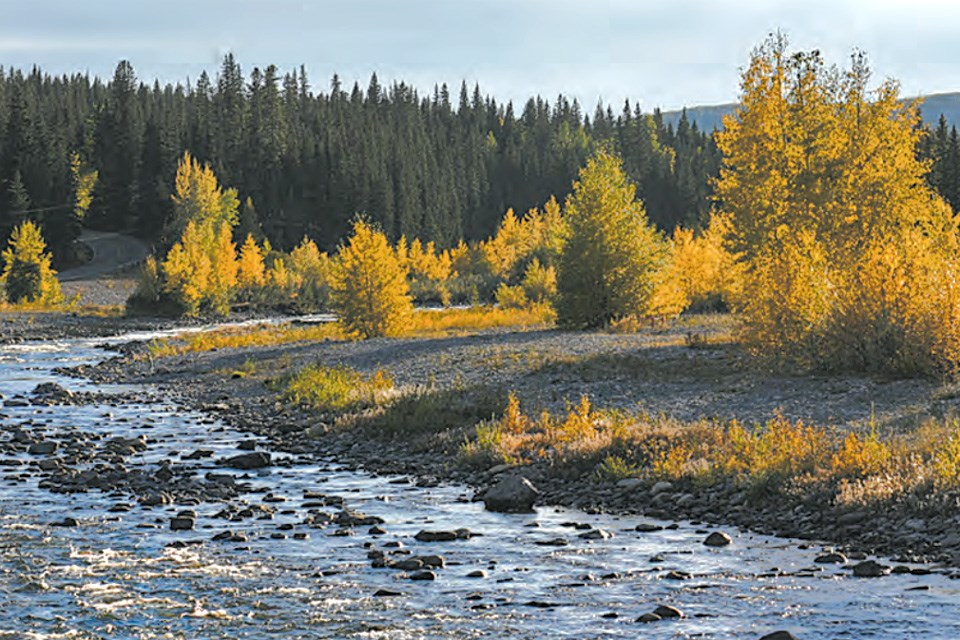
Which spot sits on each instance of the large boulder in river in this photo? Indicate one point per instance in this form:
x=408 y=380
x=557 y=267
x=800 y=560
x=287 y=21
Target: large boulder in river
x=512 y=494
x=255 y=460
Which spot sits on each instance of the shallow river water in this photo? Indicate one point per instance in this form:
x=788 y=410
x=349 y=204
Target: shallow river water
x=115 y=575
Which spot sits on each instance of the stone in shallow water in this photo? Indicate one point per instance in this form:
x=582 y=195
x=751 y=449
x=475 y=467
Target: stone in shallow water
x=43 y=448
x=666 y=611
x=512 y=494
x=870 y=569
x=779 y=635
x=831 y=558
x=718 y=539
x=255 y=460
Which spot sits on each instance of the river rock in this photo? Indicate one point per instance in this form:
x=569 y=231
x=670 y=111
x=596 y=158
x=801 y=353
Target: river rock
x=386 y=593
x=779 y=635
x=66 y=522
x=870 y=569
x=649 y=617
x=718 y=539
x=666 y=611
x=43 y=448
x=255 y=460
x=596 y=534
x=182 y=523
x=435 y=536
x=834 y=557
x=512 y=494
x=423 y=575
x=661 y=487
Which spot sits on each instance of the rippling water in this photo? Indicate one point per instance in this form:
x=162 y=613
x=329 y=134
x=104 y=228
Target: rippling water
x=116 y=576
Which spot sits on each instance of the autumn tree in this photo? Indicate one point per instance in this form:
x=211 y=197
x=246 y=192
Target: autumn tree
x=369 y=290
x=612 y=254
x=27 y=274
x=198 y=198
x=848 y=254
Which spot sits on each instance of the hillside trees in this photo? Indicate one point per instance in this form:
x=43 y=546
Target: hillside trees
x=440 y=165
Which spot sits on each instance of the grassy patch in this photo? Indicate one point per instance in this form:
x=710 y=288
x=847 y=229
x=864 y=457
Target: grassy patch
x=423 y=324
x=338 y=389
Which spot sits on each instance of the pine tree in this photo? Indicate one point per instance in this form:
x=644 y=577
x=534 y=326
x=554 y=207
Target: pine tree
x=27 y=274
x=369 y=291
x=612 y=254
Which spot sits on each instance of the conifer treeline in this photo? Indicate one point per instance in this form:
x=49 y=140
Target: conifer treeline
x=441 y=167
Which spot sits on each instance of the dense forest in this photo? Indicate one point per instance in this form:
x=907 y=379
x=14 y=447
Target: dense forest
x=441 y=167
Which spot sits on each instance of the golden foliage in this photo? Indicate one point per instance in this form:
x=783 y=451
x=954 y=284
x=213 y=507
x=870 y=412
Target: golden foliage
x=849 y=256
x=251 y=271
x=84 y=181
x=27 y=274
x=369 y=290
x=198 y=198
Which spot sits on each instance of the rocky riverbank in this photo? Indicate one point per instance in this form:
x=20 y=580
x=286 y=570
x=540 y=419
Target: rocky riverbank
x=548 y=369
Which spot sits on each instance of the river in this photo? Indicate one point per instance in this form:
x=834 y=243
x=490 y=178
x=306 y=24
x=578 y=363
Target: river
x=122 y=573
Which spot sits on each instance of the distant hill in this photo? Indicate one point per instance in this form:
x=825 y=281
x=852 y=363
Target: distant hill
x=711 y=116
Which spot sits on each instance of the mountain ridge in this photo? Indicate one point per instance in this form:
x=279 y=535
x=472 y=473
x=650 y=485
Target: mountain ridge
x=710 y=117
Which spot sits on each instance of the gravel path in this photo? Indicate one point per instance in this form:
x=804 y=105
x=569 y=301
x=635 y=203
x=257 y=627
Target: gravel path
x=652 y=371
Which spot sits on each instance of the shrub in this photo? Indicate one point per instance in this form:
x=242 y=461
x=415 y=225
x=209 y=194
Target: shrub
x=511 y=297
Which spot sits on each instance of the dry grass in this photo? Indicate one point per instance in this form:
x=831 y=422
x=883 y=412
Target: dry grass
x=445 y=322
x=262 y=335
x=856 y=468
x=423 y=324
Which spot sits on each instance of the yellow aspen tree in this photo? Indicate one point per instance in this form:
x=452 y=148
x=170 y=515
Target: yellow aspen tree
x=369 y=289
x=223 y=276
x=310 y=269
x=844 y=245
x=187 y=269
x=198 y=198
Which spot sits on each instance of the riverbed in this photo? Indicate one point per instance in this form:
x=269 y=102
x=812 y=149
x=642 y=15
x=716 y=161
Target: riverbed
x=289 y=569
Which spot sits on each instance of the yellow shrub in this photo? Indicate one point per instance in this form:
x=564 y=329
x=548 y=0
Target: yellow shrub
x=861 y=456
x=511 y=297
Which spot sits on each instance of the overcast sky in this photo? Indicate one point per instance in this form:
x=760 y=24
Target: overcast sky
x=667 y=53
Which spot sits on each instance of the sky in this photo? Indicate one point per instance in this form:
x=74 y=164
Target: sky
x=666 y=54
